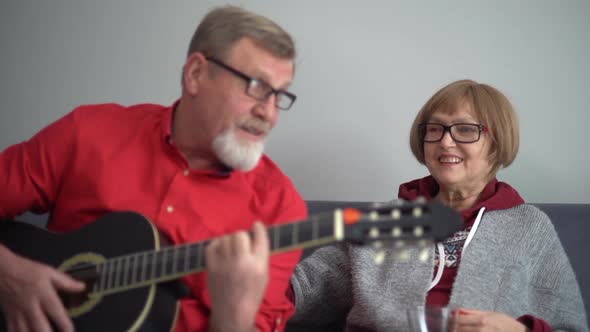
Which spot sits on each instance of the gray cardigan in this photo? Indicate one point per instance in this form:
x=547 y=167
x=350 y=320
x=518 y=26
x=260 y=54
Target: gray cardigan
x=515 y=264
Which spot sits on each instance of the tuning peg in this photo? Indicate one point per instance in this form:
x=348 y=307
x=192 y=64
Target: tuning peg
x=420 y=200
x=374 y=233
x=417 y=212
x=373 y=216
x=399 y=244
x=379 y=257
x=401 y=255
x=377 y=245
x=396 y=214
x=398 y=202
x=419 y=231
x=424 y=255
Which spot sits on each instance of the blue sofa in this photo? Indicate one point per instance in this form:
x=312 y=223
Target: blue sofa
x=571 y=221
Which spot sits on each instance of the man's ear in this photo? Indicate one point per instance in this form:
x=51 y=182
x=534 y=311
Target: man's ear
x=194 y=71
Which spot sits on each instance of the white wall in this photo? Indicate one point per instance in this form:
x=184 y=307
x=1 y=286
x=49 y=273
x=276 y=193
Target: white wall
x=364 y=69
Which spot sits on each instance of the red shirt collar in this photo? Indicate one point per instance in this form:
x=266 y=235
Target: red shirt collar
x=167 y=121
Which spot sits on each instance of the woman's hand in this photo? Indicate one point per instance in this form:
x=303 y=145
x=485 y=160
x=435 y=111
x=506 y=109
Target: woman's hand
x=467 y=320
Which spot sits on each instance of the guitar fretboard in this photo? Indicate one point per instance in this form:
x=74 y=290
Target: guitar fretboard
x=144 y=268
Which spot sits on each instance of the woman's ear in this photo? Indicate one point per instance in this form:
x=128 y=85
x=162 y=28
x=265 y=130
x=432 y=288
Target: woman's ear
x=193 y=72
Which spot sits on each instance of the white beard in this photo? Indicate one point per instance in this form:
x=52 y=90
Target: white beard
x=235 y=153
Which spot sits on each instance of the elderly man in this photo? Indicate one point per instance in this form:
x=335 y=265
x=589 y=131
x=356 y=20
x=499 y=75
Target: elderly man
x=195 y=169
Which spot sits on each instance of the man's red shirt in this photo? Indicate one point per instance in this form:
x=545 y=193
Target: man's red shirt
x=104 y=158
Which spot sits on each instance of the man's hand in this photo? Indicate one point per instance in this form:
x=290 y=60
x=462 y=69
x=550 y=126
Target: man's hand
x=237 y=276
x=475 y=320
x=28 y=294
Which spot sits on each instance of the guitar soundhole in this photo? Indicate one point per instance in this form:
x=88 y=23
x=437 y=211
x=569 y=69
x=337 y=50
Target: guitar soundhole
x=85 y=272
x=73 y=300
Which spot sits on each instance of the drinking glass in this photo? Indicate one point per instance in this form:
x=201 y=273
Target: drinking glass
x=429 y=318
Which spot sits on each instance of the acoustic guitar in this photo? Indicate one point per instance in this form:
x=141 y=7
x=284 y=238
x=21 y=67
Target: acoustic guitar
x=132 y=280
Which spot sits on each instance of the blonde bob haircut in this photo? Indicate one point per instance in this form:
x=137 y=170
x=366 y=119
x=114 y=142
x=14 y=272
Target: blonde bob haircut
x=222 y=27
x=490 y=107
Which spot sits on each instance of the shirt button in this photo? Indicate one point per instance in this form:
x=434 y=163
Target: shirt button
x=186 y=172
x=170 y=209
x=279 y=321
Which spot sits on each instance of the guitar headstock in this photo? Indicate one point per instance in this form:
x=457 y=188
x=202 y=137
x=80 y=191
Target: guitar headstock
x=399 y=222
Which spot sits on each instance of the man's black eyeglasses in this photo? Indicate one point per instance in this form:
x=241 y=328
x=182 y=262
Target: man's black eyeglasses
x=259 y=89
x=460 y=132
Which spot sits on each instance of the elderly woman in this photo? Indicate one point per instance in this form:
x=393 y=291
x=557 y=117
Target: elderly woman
x=505 y=271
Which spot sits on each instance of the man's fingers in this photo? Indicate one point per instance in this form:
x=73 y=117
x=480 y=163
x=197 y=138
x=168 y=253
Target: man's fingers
x=22 y=325
x=226 y=247
x=53 y=307
x=38 y=321
x=260 y=241
x=240 y=244
x=210 y=250
x=16 y=324
x=66 y=283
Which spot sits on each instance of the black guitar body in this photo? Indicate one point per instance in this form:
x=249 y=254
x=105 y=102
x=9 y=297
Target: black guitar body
x=148 y=308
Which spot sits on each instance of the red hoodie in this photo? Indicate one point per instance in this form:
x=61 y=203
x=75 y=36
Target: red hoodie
x=495 y=196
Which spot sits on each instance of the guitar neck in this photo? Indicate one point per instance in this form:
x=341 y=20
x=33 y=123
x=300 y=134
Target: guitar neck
x=145 y=268
x=399 y=223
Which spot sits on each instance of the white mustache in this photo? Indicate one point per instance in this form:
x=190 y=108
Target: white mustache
x=256 y=124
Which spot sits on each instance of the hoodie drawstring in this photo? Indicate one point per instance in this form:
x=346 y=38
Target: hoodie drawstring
x=441 y=250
